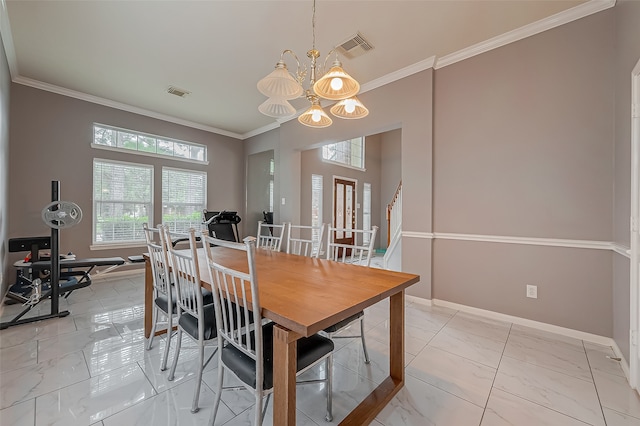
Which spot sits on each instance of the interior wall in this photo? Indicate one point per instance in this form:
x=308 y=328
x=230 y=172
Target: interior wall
x=627 y=15
x=6 y=277
x=51 y=138
x=523 y=147
x=391 y=169
x=312 y=163
x=258 y=178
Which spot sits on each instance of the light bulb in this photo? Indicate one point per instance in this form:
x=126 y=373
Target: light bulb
x=336 y=83
x=315 y=116
x=349 y=105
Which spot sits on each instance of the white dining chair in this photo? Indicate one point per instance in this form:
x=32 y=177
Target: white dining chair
x=247 y=352
x=196 y=315
x=164 y=300
x=270 y=236
x=358 y=253
x=304 y=240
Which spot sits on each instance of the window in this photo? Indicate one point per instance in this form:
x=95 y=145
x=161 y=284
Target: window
x=347 y=153
x=114 y=138
x=366 y=211
x=316 y=203
x=122 y=201
x=184 y=196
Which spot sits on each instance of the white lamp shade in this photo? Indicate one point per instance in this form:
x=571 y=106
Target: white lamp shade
x=277 y=108
x=336 y=84
x=279 y=84
x=315 y=117
x=350 y=108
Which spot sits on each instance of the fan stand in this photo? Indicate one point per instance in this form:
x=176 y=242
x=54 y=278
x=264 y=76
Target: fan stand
x=54 y=291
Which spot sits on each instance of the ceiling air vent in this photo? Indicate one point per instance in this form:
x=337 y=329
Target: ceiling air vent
x=354 y=46
x=178 y=92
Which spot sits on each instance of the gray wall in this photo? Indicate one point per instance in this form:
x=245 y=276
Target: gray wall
x=5 y=85
x=523 y=147
x=50 y=140
x=311 y=163
x=391 y=175
x=627 y=15
x=258 y=177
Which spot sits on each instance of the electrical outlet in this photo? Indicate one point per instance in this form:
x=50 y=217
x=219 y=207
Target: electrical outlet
x=532 y=291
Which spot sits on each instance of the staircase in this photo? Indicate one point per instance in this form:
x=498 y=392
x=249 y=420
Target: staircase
x=393 y=255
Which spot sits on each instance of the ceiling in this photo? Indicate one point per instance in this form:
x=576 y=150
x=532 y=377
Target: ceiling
x=128 y=53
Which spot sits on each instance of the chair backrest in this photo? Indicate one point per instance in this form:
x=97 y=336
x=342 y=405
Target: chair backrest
x=357 y=253
x=157 y=248
x=186 y=275
x=270 y=236
x=305 y=241
x=232 y=288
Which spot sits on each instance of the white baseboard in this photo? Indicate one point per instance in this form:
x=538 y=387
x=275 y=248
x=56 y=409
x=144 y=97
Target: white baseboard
x=418 y=300
x=623 y=362
x=576 y=334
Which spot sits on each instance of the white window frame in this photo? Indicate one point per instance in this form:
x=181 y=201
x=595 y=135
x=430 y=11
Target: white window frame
x=137 y=151
x=96 y=245
x=317 y=192
x=200 y=206
x=337 y=146
x=366 y=211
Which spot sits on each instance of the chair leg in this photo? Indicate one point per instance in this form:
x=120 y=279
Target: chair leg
x=175 y=357
x=258 y=409
x=266 y=405
x=153 y=327
x=364 y=344
x=329 y=386
x=196 y=395
x=165 y=357
x=216 y=404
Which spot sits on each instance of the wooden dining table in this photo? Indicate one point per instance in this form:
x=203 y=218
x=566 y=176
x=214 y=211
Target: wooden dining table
x=304 y=296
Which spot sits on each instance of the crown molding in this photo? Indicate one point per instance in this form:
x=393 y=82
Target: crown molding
x=561 y=18
x=262 y=129
x=398 y=75
x=7 y=40
x=119 y=105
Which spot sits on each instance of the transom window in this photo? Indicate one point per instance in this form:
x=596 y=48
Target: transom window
x=184 y=197
x=348 y=153
x=122 y=201
x=108 y=137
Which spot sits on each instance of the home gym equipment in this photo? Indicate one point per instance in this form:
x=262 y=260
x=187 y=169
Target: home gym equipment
x=57 y=215
x=222 y=225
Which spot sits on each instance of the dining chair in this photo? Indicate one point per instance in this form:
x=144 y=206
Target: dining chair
x=358 y=253
x=247 y=352
x=270 y=235
x=305 y=241
x=196 y=314
x=164 y=300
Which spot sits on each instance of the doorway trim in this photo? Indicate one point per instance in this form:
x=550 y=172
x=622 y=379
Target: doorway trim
x=634 y=290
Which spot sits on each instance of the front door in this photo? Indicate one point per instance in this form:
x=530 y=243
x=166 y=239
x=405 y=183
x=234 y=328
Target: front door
x=344 y=209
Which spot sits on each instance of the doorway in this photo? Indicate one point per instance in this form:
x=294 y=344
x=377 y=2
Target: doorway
x=344 y=209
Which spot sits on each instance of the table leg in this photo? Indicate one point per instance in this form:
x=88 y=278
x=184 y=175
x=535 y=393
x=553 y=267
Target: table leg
x=284 y=376
x=148 y=298
x=373 y=404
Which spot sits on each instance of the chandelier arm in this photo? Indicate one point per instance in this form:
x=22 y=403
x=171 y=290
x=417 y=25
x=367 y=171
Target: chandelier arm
x=324 y=64
x=301 y=71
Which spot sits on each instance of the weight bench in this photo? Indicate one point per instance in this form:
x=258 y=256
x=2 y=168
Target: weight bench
x=74 y=274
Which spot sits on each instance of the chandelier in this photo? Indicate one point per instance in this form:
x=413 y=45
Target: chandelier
x=281 y=86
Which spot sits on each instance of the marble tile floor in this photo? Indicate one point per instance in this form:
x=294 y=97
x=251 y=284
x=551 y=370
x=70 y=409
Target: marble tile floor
x=91 y=368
